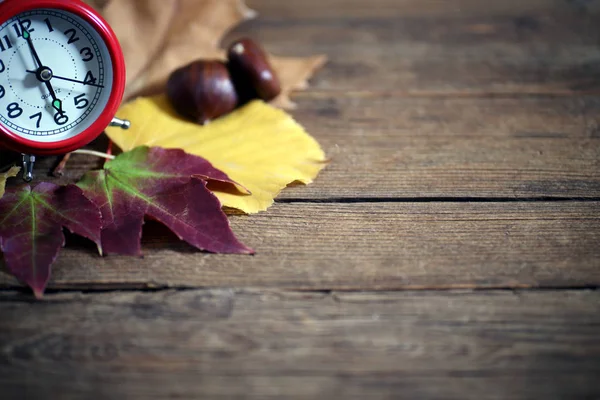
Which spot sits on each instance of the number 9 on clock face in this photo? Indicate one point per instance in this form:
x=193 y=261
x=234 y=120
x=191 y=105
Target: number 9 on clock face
x=56 y=77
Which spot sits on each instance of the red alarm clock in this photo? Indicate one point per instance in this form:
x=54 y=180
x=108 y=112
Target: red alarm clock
x=62 y=77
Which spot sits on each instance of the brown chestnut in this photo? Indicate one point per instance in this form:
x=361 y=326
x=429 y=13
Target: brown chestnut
x=253 y=75
x=202 y=90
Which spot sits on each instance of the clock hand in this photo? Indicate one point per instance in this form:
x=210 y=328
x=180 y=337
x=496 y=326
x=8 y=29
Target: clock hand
x=44 y=74
x=69 y=79
x=56 y=102
x=27 y=36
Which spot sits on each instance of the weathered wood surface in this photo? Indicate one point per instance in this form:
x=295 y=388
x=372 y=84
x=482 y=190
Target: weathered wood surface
x=465 y=139
x=366 y=247
x=260 y=345
x=309 y=10
x=397 y=147
x=433 y=47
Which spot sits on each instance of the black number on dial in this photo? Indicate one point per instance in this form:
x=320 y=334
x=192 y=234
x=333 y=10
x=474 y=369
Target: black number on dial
x=81 y=102
x=49 y=25
x=61 y=118
x=2 y=66
x=39 y=119
x=89 y=79
x=72 y=35
x=14 y=110
x=2 y=91
x=5 y=43
x=25 y=23
x=87 y=54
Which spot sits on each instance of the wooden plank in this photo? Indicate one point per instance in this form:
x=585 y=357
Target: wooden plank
x=399 y=147
x=280 y=345
x=439 y=46
x=384 y=9
x=404 y=147
x=366 y=246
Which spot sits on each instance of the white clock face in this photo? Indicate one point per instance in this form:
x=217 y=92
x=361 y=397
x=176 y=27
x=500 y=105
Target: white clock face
x=56 y=75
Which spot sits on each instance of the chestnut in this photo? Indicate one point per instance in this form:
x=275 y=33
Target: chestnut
x=252 y=73
x=202 y=90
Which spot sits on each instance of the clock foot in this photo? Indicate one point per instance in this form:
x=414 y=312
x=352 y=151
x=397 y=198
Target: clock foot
x=28 y=163
x=121 y=123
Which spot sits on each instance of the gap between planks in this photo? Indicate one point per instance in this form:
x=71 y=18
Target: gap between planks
x=25 y=292
x=358 y=200
x=317 y=93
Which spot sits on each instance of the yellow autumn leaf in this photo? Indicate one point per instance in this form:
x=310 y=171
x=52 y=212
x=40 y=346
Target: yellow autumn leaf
x=259 y=146
x=11 y=173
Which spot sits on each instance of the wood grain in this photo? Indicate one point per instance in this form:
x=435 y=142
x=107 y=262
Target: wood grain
x=451 y=147
x=386 y=9
x=362 y=246
x=398 y=147
x=464 y=138
x=452 y=46
x=280 y=345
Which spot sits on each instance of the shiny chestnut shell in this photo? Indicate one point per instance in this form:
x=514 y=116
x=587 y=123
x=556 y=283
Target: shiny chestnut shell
x=202 y=90
x=252 y=73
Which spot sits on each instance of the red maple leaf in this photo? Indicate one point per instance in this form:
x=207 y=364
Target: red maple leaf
x=31 y=223
x=167 y=185
x=109 y=207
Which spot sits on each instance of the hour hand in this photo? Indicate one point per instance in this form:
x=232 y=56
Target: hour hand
x=44 y=75
x=57 y=104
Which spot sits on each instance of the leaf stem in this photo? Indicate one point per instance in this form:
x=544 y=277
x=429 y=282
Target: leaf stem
x=60 y=167
x=109 y=148
x=95 y=153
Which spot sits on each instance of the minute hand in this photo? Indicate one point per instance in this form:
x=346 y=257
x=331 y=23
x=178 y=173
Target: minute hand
x=70 y=80
x=27 y=37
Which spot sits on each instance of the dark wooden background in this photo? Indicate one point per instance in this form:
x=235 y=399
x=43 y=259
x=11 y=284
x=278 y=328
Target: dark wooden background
x=450 y=251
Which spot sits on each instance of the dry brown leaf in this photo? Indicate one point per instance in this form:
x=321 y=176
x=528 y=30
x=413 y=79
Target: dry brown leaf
x=294 y=74
x=141 y=26
x=160 y=36
x=195 y=33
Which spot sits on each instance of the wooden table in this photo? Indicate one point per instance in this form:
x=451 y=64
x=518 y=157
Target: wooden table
x=450 y=251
